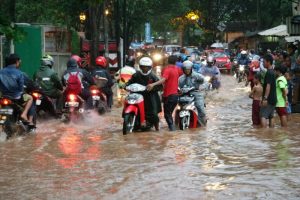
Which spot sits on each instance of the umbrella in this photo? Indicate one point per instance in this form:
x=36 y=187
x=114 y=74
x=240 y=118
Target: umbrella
x=217 y=45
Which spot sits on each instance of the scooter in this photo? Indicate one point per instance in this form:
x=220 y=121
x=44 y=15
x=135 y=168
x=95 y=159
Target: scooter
x=73 y=108
x=134 y=111
x=186 y=113
x=241 y=73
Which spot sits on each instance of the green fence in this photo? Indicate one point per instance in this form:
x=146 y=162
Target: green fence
x=30 y=49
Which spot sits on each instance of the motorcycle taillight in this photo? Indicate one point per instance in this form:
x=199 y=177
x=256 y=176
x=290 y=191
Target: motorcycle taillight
x=72 y=97
x=36 y=95
x=5 y=102
x=95 y=92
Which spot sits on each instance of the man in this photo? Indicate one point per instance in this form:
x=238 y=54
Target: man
x=152 y=102
x=170 y=77
x=83 y=76
x=12 y=86
x=100 y=72
x=213 y=71
x=269 y=94
x=193 y=79
x=48 y=80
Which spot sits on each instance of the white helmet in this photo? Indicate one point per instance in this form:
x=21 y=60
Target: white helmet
x=243 y=52
x=187 y=65
x=210 y=59
x=147 y=62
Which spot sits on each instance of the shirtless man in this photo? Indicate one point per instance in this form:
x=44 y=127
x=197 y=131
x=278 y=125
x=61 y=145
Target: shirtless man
x=256 y=95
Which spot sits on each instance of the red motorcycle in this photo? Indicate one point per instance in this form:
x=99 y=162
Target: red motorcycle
x=134 y=111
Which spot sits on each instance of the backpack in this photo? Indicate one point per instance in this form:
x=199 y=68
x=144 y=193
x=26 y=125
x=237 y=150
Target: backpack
x=74 y=84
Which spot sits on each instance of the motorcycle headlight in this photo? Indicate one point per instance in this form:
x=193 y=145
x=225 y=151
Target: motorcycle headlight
x=131 y=101
x=139 y=54
x=157 y=57
x=207 y=78
x=242 y=68
x=235 y=62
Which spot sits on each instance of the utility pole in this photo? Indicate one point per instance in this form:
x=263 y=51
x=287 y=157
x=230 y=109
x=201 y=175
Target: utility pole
x=258 y=14
x=124 y=30
x=105 y=15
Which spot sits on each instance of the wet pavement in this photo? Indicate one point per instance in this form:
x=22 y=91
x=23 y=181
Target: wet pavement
x=93 y=160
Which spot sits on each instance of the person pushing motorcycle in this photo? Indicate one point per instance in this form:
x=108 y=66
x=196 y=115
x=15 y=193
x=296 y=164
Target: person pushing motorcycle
x=152 y=102
x=194 y=79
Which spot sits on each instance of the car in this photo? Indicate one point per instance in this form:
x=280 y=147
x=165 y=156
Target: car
x=222 y=61
x=169 y=50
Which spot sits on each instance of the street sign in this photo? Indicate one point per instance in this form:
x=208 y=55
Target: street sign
x=221 y=27
x=148 y=38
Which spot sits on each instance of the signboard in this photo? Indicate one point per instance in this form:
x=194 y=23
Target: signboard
x=148 y=38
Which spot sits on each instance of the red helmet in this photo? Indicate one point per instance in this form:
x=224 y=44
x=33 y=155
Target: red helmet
x=101 y=61
x=78 y=60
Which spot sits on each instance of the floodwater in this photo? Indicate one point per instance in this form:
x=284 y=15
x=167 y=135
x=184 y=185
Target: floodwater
x=227 y=160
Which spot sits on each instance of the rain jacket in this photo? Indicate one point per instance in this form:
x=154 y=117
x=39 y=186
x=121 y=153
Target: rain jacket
x=48 y=80
x=104 y=74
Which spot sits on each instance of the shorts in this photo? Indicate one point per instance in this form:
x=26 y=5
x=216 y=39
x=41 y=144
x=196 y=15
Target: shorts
x=281 y=111
x=289 y=108
x=267 y=112
x=255 y=112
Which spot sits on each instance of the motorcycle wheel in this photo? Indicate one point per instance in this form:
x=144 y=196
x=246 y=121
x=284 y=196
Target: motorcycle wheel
x=101 y=108
x=128 y=124
x=183 y=123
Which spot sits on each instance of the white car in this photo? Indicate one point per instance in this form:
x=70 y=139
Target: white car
x=170 y=49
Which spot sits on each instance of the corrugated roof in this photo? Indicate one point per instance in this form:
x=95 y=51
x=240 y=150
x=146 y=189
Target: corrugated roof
x=280 y=30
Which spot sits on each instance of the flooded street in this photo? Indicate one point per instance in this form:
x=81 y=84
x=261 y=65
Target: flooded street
x=227 y=160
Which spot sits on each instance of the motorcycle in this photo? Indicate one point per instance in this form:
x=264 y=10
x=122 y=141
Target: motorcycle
x=212 y=82
x=134 y=111
x=73 y=107
x=186 y=113
x=44 y=104
x=241 y=73
x=99 y=100
x=10 y=120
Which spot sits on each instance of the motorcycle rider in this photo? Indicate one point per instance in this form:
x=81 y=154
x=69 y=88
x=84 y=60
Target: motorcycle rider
x=213 y=71
x=101 y=72
x=49 y=81
x=190 y=78
x=84 y=77
x=12 y=86
x=151 y=98
x=244 y=60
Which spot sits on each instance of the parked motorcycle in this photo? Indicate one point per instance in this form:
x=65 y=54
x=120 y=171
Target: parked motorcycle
x=134 y=111
x=186 y=113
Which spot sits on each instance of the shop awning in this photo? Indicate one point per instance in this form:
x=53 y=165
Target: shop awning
x=280 y=30
x=292 y=38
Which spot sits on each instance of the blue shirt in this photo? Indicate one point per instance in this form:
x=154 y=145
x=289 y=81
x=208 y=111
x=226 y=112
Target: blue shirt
x=11 y=82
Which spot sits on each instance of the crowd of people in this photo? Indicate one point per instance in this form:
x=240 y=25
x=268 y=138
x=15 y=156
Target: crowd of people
x=272 y=78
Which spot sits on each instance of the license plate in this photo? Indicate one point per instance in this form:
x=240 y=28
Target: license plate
x=6 y=111
x=184 y=113
x=96 y=98
x=38 y=102
x=72 y=104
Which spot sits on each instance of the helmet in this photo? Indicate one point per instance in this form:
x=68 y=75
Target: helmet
x=243 y=52
x=78 y=60
x=47 y=60
x=186 y=65
x=101 y=61
x=72 y=63
x=146 y=62
x=210 y=60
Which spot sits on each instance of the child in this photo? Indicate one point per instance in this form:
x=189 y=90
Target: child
x=281 y=93
x=256 y=95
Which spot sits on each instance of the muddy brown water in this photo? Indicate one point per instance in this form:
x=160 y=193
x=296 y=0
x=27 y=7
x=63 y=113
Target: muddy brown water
x=93 y=160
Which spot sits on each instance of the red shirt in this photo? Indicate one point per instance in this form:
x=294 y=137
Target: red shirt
x=171 y=73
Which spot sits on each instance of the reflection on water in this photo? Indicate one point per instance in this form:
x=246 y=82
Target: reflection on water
x=227 y=160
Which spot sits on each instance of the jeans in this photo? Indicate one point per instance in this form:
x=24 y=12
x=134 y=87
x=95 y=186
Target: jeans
x=199 y=103
x=170 y=103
